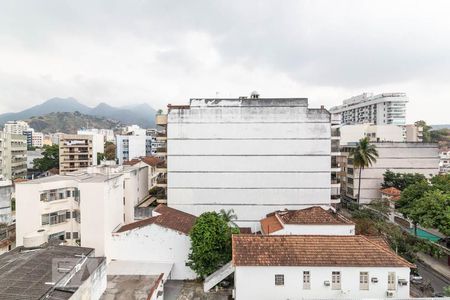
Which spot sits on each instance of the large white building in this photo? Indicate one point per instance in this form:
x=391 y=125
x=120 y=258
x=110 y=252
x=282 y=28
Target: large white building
x=380 y=133
x=13 y=156
x=37 y=139
x=444 y=161
x=107 y=134
x=252 y=155
x=386 y=108
x=129 y=147
x=400 y=157
x=16 y=127
x=317 y=267
x=82 y=207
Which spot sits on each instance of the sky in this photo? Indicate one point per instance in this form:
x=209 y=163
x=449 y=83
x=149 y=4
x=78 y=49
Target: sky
x=160 y=52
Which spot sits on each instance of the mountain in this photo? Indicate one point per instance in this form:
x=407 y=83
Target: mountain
x=69 y=122
x=442 y=126
x=142 y=114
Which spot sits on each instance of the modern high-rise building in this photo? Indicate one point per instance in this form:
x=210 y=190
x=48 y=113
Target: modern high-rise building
x=253 y=155
x=13 y=156
x=75 y=152
x=382 y=109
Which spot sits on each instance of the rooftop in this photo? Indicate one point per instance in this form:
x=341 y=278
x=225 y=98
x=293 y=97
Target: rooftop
x=149 y=160
x=301 y=250
x=131 y=287
x=315 y=215
x=32 y=274
x=168 y=218
x=391 y=191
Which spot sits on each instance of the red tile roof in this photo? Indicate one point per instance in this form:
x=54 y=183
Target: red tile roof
x=149 y=160
x=168 y=218
x=302 y=250
x=311 y=215
x=391 y=191
x=270 y=224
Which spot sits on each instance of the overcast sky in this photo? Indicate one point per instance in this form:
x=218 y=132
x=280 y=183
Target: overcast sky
x=160 y=52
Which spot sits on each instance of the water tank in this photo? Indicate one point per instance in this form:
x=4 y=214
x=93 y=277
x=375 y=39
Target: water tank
x=35 y=239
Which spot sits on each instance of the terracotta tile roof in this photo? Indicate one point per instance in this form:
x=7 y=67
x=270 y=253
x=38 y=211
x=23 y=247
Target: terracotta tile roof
x=168 y=218
x=131 y=162
x=18 y=180
x=391 y=191
x=311 y=215
x=302 y=250
x=245 y=230
x=270 y=224
x=149 y=160
x=379 y=240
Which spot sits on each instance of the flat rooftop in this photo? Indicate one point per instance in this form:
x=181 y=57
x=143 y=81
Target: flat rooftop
x=131 y=286
x=32 y=273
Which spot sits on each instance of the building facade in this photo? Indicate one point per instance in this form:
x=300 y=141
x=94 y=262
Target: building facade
x=37 y=139
x=444 y=161
x=400 y=157
x=317 y=267
x=83 y=207
x=386 y=108
x=6 y=191
x=16 y=127
x=13 y=156
x=75 y=152
x=251 y=155
x=129 y=147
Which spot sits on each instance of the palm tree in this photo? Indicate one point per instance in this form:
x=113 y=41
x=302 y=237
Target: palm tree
x=229 y=216
x=364 y=155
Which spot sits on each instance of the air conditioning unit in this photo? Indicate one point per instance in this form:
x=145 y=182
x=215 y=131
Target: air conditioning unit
x=390 y=294
x=374 y=280
x=326 y=283
x=403 y=282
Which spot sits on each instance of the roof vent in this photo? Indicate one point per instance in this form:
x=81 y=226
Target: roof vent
x=35 y=239
x=254 y=95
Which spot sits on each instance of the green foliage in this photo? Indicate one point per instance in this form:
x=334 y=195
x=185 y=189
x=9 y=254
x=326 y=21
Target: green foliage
x=110 y=151
x=210 y=243
x=428 y=204
x=13 y=204
x=440 y=135
x=229 y=216
x=364 y=155
x=426 y=130
x=401 y=180
x=100 y=157
x=447 y=291
x=49 y=160
x=158 y=192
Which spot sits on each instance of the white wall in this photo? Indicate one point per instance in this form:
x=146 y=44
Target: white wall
x=259 y=283
x=353 y=133
x=270 y=154
x=136 y=189
x=154 y=243
x=317 y=230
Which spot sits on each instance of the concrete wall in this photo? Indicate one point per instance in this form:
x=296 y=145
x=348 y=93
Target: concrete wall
x=94 y=286
x=353 y=133
x=398 y=157
x=154 y=243
x=136 y=189
x=6 y=190
x=136 y=146
x=254 y=156
x=259 y=283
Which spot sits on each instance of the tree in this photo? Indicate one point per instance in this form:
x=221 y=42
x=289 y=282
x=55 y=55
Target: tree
x=426 y=130
x=49 y=160
x=408 y=199
x=401 y=180
x=110 y=151
x=100 y=157
x=210 y=243
x=364 y=155
x=433 y=211
x=229 y=216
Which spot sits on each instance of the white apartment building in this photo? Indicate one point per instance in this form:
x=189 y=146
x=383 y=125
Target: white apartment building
x=6 y=191
x=252 y=155
x=98 y=143
x=300 y=267
x=108 y=134
x=400 y=157
x=37 y=139
x=413 y=133
x=82 y=207
x=129 y=147
x=444 y=161
x=16 y=127
x=386 y=108
x=13 y=156
x=375 y=133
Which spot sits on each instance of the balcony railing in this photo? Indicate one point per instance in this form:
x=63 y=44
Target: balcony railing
x=161 y=180
x=161 y=149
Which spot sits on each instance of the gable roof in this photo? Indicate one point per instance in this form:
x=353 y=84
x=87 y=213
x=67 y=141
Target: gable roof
x=312 y=215
x=391 y=191
x=303 y=250
x=149 y=160
x=169 y=218
x=270 y=224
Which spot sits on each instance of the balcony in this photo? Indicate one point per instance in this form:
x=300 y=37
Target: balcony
x=161 y=119
x=161 y=167
x=161 y=182
x=161 y=136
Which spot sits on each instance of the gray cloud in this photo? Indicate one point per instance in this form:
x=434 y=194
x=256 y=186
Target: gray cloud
x=168 y=51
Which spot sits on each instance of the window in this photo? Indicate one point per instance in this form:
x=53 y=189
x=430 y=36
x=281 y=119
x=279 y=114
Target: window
x=279 y=279
x=391 y=281
x=75 y=235
x=67 y=194
x=67 y=214
x=54 y=217
x=363 y=280
x=67 y=235
x=336 y=280
x=306 y=280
